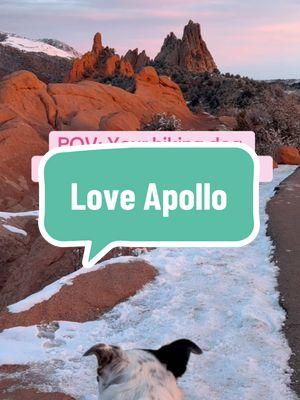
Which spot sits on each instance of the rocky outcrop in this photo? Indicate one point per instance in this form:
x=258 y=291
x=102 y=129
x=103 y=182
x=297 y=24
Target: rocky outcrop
x=136 y=59
x=25 y=95
x=30 y=109
x=98 y=63
x=190 y=52
x=87 y=103
x=90 y=293
x=28 y=263
x=287 y=155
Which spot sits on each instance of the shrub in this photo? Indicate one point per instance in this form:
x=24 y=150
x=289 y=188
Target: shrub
x=123 y=82
x=267 y=108
x=163 y=122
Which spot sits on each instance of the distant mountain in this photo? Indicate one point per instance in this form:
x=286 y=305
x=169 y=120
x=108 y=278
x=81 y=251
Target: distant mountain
x=51 y=47
x=49 y=59
x=62 y=46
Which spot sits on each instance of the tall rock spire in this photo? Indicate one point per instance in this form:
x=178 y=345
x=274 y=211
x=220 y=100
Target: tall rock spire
x=190 y=52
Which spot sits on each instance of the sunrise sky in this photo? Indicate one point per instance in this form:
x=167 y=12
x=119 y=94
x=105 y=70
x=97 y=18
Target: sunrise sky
x=257 y=38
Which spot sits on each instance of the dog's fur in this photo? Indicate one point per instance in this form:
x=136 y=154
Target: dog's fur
x=142 y=374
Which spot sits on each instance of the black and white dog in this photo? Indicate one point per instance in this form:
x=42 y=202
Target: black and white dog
x=142 y=374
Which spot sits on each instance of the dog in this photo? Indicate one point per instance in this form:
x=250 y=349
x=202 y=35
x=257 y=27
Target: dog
x=142 y=374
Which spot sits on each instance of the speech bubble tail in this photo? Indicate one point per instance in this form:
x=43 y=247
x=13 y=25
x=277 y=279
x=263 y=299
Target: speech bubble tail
x=91 y=255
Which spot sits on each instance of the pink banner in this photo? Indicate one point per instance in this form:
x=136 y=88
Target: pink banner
x=60 y=139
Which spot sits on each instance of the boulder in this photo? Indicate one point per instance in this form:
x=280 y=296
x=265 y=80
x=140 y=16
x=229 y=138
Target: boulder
x=190 y=52
x=90 y=295
x=287 y=155
x=26 y=96
x=18 y=143
x=148 y=75
x=28 y=263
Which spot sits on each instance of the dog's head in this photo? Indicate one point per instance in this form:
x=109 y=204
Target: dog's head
x=111 y=359
x=174 y=357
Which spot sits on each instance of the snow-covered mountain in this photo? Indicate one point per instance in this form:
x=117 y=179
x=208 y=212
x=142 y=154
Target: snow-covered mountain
x=61 y=46
x=49 y=59
x=51 y=47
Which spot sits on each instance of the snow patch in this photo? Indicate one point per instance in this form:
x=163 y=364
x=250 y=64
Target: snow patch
x=7 y=215
x=35 y=46
x=14 y=229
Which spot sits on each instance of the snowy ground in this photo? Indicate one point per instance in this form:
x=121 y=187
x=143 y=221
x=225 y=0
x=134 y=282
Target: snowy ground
x=223 y=299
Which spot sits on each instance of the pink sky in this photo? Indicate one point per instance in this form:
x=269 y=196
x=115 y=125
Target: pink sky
x=258 y=38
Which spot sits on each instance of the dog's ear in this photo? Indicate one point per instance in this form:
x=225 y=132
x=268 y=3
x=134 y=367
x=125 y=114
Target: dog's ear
x=175 y=356
x=105 y=354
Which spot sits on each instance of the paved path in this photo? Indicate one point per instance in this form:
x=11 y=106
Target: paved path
x=284 y=229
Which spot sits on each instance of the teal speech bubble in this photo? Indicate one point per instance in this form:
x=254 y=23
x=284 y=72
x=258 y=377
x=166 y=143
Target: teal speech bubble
x=149 y=195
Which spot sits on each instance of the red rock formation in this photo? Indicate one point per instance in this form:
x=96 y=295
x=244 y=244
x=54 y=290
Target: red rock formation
x=97 y=45
x=136 y=59
x=98 y=63
x=125 y=68
x=287 y=155
x=190 y=52
x=29 y=110
x=28 y=263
